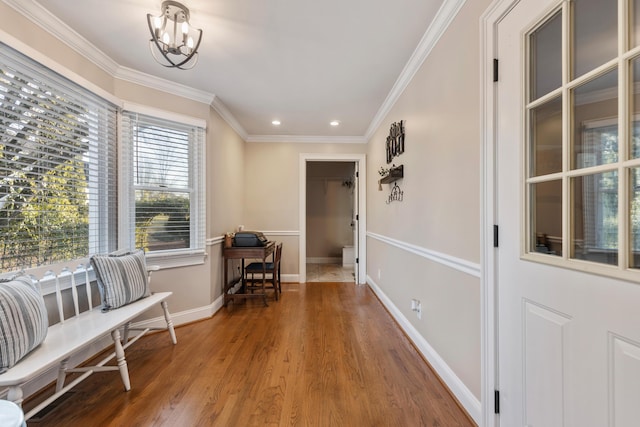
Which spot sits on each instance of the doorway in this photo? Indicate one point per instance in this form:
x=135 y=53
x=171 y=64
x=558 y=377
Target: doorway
x=334 y=183
x=331 y=221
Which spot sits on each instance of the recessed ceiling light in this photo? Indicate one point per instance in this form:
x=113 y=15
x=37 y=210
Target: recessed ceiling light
x=276 y=122
x=334 y=123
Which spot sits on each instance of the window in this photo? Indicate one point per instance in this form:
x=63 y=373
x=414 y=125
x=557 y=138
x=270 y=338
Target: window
x=163 y=165
x=72 y=183
x=583 y=141
x=57 y=167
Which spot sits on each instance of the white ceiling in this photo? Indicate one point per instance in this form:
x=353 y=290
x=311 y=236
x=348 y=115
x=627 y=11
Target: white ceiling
x=304 y=62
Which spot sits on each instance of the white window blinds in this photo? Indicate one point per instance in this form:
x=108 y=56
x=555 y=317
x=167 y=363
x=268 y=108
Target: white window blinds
x=166 y=197
x=57 y=167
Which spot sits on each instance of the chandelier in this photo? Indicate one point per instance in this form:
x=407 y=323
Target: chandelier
x=174 y=43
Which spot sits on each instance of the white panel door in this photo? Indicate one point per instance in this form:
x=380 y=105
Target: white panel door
x=568 y=340
x=355 y=221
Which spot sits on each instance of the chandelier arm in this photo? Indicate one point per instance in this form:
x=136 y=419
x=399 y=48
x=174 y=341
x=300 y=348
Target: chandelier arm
x=193 y=56
x=158 y=60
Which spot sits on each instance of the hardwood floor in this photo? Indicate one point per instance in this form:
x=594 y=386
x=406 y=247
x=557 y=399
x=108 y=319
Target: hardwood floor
x=326 y=354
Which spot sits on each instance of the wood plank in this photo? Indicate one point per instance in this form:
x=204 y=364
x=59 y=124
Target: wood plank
x=325 y=354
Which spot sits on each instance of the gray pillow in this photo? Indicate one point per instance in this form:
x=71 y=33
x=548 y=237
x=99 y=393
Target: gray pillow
x=122 y=278
x=23 y=320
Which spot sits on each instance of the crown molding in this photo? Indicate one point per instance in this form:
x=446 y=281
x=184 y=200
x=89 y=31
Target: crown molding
x=164 y=85
x=443 y=18
x=308 y=139
x=226 y=115
x=50 y=23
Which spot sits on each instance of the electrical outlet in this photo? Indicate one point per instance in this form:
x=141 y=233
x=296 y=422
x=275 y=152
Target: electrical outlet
x=416 y=306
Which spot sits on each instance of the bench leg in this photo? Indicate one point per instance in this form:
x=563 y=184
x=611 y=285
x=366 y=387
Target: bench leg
x=15 y=395
x=125 y=333
x=167 y=318
x=122 y=362
x=62 y=374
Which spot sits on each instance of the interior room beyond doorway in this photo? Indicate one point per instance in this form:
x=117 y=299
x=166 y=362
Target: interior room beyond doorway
x=330 y=219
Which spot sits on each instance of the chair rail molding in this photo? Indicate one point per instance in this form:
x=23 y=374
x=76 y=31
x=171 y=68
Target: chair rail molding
x=459 y=264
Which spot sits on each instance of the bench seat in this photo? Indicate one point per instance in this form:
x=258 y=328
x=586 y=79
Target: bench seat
x=74 y=334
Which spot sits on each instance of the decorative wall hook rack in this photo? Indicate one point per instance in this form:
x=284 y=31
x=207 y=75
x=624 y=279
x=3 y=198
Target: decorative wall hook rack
x=396 y=194
x=393 y=174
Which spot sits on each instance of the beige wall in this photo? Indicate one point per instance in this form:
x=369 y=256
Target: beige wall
x=18 y=32
x=272 y=193
x=225 y=187
x=441 y=207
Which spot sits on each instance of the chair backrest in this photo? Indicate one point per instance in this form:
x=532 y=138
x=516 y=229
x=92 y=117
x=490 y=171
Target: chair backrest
x=278 y=256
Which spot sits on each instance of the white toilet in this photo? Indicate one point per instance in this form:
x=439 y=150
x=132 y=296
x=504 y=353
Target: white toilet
x=348 y=256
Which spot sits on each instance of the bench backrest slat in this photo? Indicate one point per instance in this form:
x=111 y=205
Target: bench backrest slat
x=62 y=277
x=87 y=285
x=58 y=294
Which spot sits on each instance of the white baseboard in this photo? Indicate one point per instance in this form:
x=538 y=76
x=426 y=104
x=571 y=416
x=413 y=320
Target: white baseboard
x=290 y=278
x=468 y=400
x=183 y=317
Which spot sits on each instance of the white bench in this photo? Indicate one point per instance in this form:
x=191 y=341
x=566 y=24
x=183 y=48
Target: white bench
x=77 y=332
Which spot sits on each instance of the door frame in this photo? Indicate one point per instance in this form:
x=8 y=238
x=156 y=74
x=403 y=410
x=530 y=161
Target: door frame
x=360 y=160
x=489 y=323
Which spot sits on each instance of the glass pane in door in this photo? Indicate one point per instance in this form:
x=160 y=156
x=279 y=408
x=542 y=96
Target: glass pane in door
x=634 y=218
x=634 y=104
x=546 y=138
x=595 y=37
x=546 y=208
x=595 y=218
x=595 y=113
x=546 y=57
x=634 y=15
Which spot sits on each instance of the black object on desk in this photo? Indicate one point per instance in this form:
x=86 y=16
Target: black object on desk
x=249 y=238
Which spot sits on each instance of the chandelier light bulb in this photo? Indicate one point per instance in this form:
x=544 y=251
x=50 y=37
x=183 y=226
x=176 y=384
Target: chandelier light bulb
x=157 y=24
x=166 y=38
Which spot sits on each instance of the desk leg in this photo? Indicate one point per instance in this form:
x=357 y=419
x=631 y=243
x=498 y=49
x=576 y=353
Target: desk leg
x=225 y=261
x=264 y=281
x=273 y=276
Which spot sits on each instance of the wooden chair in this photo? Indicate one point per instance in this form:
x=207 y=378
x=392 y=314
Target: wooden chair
x=255 y=271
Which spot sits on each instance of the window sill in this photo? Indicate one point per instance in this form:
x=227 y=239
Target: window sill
x=175 y=259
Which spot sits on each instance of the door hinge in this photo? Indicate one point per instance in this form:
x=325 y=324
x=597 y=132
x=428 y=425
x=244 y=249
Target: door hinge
x=357 y=260
x=357 y=174
x=357 y=217
x=496 y=401
x=495 y=236
x=495 y=70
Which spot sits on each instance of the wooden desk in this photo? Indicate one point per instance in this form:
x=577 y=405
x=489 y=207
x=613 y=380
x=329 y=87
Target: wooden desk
x=242 y=253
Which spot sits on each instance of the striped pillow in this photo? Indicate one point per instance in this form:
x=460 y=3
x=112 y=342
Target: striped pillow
x=122 y=278
x=23 y=320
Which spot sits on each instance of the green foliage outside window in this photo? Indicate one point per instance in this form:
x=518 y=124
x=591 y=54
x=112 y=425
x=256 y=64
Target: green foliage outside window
x=43 y=202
